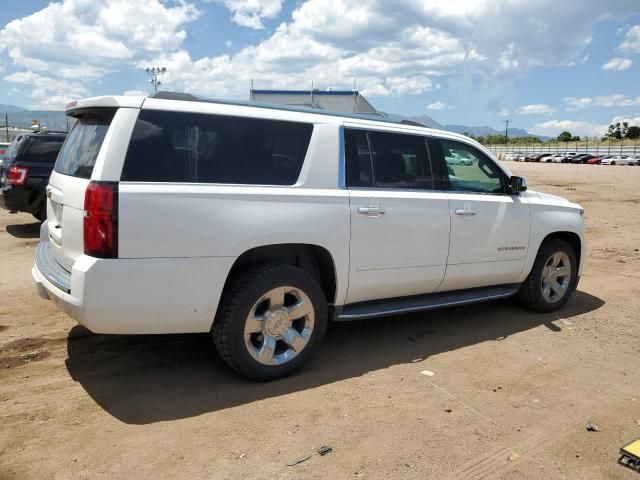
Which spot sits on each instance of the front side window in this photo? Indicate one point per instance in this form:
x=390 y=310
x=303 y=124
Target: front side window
x=470 y=170
x=202 y=148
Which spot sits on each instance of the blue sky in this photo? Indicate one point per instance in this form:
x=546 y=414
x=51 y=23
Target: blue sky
x=546 y=66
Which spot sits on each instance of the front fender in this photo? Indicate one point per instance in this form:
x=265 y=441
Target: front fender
x=547 y=221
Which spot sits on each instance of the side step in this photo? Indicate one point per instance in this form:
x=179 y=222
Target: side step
x=419 y=303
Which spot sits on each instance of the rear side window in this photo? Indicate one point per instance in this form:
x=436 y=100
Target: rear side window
x=358 y=159
x=79 y=152
x=42 y=149
x=400 y=161
x=203 y=148
x=387 y=160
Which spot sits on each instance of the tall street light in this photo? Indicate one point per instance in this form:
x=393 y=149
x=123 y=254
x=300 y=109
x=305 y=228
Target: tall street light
x=154 y=72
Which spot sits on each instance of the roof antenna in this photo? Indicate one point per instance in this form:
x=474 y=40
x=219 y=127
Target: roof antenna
x=355 y=99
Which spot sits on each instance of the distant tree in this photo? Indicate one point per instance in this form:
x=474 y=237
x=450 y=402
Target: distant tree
x=633 y=132
x=575 y=138
x=615 y=131
x=565 y=137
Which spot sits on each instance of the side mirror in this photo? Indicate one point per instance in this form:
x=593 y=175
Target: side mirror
x=517 y=184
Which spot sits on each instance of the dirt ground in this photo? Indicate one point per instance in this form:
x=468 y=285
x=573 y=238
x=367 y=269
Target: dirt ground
x=510 y=398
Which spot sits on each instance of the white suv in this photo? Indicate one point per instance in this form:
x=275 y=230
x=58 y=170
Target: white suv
x=172 y=214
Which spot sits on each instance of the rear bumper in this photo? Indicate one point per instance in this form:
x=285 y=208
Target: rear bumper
x=26 y=198
x=135 y=296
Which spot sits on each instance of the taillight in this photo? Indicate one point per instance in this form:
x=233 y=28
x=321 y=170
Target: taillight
x=17 y=175
x=101 y=220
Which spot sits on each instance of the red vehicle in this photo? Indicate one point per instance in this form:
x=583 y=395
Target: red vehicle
x=595 y=161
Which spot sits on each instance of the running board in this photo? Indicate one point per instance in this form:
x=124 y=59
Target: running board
x=419 y=303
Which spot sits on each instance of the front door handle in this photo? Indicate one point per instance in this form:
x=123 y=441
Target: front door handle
x=372 y=211
x=465 y=212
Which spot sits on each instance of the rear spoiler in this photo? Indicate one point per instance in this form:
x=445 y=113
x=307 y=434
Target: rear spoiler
x=74 y=108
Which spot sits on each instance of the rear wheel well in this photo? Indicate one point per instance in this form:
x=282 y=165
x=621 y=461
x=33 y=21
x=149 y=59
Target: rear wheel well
x=312 y=258
x=571 y=238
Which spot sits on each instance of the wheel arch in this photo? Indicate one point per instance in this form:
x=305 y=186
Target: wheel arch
x=571 y=238
x=314 y=259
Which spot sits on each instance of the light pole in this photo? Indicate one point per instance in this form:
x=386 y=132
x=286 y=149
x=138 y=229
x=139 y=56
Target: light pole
x=154 y=72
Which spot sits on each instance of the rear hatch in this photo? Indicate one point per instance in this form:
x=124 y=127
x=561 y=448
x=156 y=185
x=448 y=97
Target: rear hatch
x=69 y=181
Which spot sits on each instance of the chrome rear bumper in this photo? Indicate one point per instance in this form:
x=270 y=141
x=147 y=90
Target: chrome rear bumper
x=52 y=270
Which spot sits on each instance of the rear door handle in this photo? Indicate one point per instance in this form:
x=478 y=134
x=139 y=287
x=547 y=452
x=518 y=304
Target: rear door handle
x=465 y=212
x=372 y=211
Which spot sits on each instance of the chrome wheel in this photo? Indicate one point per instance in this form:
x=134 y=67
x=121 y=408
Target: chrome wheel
x=279 y=325
x=556 y=277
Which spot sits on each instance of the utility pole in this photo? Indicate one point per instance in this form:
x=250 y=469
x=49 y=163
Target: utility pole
x=6 y=124
x=154 y=72
x=506 y=133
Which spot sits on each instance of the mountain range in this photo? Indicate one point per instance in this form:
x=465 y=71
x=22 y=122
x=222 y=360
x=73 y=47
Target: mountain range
x=427 y=121
x=56 y=120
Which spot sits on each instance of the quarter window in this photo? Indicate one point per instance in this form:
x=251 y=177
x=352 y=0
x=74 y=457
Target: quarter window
x=203 y=148
x=470 y=170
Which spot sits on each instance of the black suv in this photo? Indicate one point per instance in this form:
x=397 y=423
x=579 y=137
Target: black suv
x=25 y=172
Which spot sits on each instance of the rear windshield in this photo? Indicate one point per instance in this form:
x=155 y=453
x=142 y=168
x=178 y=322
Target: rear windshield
x=42 y=149
x=79 y=152
x=203 y=148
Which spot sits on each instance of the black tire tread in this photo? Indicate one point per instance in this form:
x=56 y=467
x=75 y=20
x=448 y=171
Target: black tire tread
x=529 y=294
x=232 y=299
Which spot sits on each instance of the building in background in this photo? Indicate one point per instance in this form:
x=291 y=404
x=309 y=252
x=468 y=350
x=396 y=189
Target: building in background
x=344 y=101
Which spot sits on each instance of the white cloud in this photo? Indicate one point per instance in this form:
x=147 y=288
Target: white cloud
x=75 y=42
x=535 y=109
x=629 y=120
x=135 y=93
x=614 y=100
x=250 y=13
x=553 y=128
x=390 y=48
x=617 y=64
x=631 y=42
x=395 y=48
x=437 y=106
x=503 y=112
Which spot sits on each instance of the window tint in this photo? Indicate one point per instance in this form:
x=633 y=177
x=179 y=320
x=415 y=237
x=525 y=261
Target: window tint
x=79 y=152
x=358 y=159
x=43 y=149
x=400 y=161
x=470 y=170
x=201 y=148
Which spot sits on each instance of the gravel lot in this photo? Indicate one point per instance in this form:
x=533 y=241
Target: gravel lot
x=510 y=398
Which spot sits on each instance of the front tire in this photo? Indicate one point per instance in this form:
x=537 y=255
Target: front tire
x=271 y=320
x=552 y=278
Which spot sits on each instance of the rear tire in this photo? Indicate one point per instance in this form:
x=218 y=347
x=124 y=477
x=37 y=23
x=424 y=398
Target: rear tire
x=271 y=320
x=41 y=214
x=552 y=279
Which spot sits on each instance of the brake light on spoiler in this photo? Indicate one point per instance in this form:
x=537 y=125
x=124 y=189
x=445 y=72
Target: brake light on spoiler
x=100 y=226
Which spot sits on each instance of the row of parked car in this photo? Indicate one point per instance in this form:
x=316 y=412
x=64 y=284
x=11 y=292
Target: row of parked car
x=573 y=157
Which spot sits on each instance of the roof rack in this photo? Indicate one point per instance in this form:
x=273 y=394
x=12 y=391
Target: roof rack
x=187 y=97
